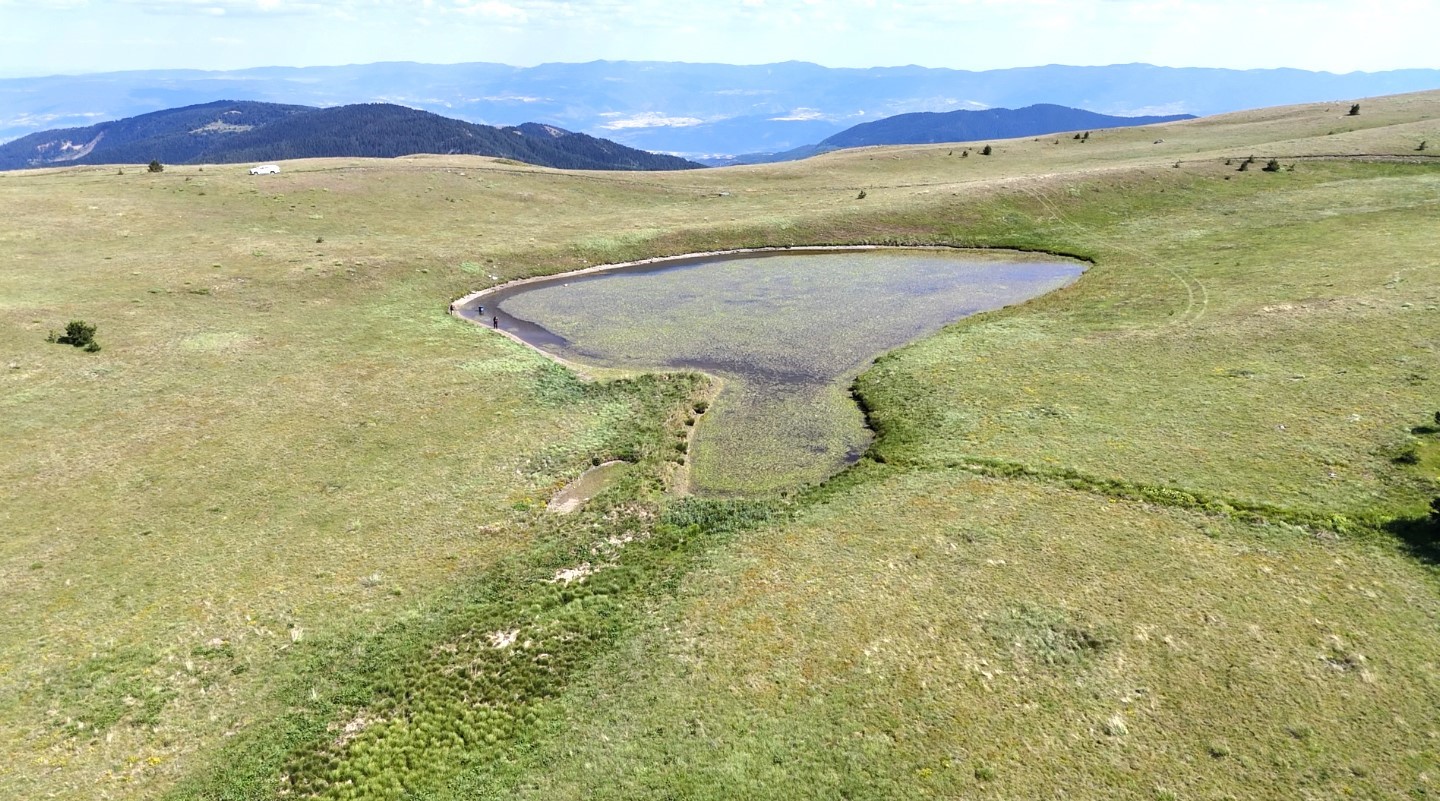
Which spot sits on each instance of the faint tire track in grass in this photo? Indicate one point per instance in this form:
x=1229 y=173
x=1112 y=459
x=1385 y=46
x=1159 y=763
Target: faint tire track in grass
x=1193 y=311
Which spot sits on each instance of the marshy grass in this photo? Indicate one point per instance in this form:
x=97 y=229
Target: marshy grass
x=786 y=333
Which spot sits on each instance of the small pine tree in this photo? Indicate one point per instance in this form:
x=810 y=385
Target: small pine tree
x=986 y=150
x=1273 y=165
x=860 y=196
x=78 y=333
x=1244 y=165
x=964 y=154
x=1077 y=136
x=156 y=166
x=1354 y=110
x=1423 y=143
x=1086 y=137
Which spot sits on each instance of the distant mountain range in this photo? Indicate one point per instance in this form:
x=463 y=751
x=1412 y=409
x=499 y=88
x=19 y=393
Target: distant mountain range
x=229 y=131
x=957 y=126
x=689 y=109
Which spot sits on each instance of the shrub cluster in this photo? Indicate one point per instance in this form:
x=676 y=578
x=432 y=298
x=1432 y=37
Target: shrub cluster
x=78 y=333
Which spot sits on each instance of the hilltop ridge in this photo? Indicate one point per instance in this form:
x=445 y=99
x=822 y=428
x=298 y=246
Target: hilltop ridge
x=231 y=131
x=925 y=127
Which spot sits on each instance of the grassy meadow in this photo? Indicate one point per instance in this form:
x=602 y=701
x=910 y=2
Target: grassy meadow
x=1160 y=534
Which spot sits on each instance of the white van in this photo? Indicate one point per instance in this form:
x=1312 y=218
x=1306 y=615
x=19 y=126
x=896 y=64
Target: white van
x=265 y=169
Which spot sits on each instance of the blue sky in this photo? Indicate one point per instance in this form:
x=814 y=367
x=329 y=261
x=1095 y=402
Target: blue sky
x=42 y=37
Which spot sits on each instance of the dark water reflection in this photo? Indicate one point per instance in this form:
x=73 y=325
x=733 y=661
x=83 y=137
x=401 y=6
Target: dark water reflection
x=786 y=331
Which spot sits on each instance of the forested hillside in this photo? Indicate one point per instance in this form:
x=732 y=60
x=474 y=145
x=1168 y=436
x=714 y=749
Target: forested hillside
x=922 y=128
x=230 y=131
x=992 y=123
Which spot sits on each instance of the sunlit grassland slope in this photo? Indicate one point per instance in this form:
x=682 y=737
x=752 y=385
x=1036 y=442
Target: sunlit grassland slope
x=1127 y=540
x=1172 y=576
x=932 y=634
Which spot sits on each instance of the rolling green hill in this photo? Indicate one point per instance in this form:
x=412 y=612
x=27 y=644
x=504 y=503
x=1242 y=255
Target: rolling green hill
x=1164 y=534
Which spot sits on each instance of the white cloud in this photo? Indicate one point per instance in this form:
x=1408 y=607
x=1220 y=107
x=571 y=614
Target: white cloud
x=216 y=8
x=936 y=104
x=45 y=4
x=1163 y=110
x=495 y=10
x=802 y=115
x=42 y=120
x=1336 y=35
x=651 y=120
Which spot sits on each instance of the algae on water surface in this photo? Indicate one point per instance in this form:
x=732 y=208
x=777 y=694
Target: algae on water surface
x=786 y=331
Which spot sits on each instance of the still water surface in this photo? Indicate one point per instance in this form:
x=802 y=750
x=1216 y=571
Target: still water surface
x=787 y=332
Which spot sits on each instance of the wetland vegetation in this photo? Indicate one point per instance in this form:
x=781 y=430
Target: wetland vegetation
x=786 y=333
x=1164 y=534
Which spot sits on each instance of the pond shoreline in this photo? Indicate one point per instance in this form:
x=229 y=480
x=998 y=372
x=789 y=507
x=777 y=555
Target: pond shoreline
x=858 y=435
x=458 y=306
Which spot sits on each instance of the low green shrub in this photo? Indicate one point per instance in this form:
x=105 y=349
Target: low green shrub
x=78 y=333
